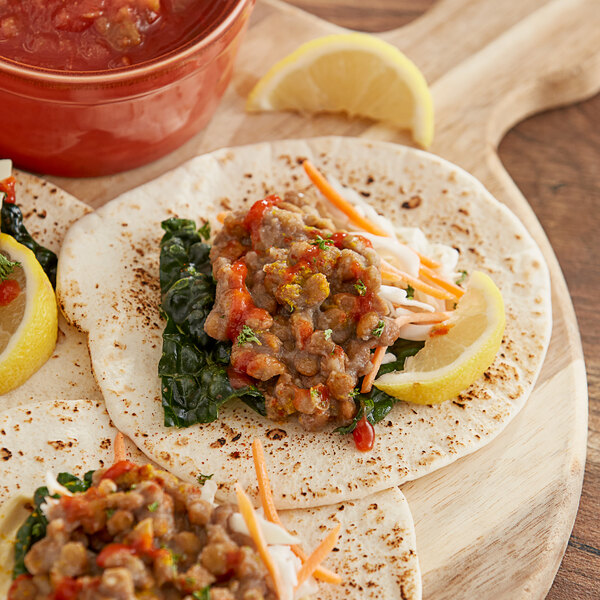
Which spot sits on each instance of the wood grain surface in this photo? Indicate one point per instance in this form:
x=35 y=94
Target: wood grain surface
x=553 y=158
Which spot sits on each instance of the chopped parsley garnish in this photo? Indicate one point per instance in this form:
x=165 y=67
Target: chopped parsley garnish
x=360 y=287
x=410 y=291
x=322 y=242
x=154 y=506
x=202 y=479
x=110 y=512
x=327 y=333
x=379 y=329
x=463 y=276
x=203 y=594
x=355 y=392
x=204 y=231
x=247 y=336
x=6 y=267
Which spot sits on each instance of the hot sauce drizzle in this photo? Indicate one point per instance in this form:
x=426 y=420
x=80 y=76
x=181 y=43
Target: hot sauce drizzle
x=242 y=305
x=256 y=213
x=364 y=435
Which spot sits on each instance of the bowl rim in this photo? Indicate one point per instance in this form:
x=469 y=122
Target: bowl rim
x=142 y=69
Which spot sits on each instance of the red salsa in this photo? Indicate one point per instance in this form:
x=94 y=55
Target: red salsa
x=7 y=186
x=93 y=35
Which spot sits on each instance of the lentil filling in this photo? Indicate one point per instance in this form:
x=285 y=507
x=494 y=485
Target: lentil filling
x=300 y=302
x=140 y=532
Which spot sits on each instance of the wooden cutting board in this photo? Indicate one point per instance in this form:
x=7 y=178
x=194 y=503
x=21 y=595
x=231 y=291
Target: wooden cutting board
x=494 y=524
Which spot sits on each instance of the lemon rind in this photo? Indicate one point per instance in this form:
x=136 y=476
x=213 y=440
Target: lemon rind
x=423 y=120
x=439 y=385
x=39 y=325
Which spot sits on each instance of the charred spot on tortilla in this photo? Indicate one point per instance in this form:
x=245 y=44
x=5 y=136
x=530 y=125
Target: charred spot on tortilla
x=276 y=434
x=412 y=202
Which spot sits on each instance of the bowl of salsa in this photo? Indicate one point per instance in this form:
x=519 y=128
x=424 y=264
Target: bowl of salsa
x=100 y=86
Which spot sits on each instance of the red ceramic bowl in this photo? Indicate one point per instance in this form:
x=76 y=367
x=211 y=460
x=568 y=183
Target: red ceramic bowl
x=86 y=124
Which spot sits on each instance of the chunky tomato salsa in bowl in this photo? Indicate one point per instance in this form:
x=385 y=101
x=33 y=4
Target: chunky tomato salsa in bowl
x=101 y=86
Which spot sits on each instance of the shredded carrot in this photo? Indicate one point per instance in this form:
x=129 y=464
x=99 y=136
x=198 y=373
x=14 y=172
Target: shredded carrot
x=380 y=351
x=317 y=557
x=428 y=262
x=340 y=202
x=434 y=277
x=264 y=486
x=119 y=450
x=257 y=536
x=392 y=274
x=424 y=317
x=266 y=498
x=369 y=378
x=221 y=217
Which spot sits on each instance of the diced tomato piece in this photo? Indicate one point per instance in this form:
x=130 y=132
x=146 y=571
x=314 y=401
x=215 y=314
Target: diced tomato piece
x=67 y=589
x=144 y=544
x=8 y=187
x=16 y=584
x=109 y=551
x=305 y=330
x=119 y=469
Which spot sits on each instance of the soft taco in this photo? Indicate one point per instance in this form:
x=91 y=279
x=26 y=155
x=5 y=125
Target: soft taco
x=47 y=212
x=114 y=295
x=106 y=524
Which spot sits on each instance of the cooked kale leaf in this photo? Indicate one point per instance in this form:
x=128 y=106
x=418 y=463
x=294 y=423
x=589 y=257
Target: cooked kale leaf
x=401 y=349
x=11 y=219
x=377 y=404
x=193 y=366
x=34 y=527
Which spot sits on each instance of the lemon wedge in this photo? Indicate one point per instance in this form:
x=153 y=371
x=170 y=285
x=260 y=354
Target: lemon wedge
x=353 y=73
x=450 y=363
x=29 y=323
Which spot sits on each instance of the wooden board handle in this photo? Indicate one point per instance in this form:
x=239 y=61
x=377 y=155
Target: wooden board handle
x=550 y=58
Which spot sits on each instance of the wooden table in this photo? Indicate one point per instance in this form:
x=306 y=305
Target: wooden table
x=553 y=158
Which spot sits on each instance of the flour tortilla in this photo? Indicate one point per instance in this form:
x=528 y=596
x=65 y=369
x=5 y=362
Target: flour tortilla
x=108 y=285
x=377 y=552
x=47 y=213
